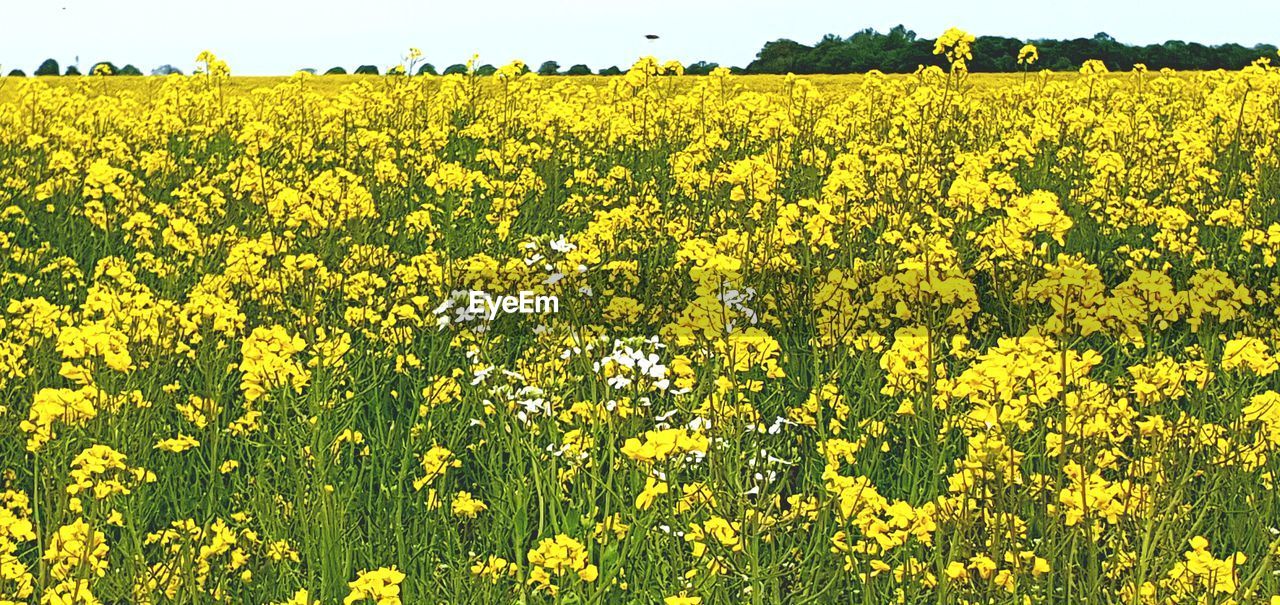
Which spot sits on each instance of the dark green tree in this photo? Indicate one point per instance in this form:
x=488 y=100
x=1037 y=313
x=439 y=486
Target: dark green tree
x=17 y=73
x=701 y=68
x=549 y=68
x=456 y=68
x=427 y=69
x=611 y=71
x=48 y=68
x=486 y=70
x=130 y=70
x=782 y=56
x=336 y=71
x=72 y=71
x=367 y=70
x=900 y=51
x=578 y=70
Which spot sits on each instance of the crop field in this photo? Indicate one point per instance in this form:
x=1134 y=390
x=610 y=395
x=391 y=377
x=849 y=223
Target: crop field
x=931 y=338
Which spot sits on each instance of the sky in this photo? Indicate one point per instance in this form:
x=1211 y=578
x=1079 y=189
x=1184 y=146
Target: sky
x=265 y=37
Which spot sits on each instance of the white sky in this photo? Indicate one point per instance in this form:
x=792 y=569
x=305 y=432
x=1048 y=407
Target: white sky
x=258 y=37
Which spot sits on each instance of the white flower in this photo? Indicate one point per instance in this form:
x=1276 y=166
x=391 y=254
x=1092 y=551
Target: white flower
x=777 y=425
x=444 y=307
x=481 y=375
x=538 y=406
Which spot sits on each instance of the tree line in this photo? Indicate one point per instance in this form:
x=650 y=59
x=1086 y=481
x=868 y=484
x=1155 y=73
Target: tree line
x=50 y=67
x=899 y=50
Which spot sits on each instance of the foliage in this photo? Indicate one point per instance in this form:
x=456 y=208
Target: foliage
x=901 y=51
x=48 y=68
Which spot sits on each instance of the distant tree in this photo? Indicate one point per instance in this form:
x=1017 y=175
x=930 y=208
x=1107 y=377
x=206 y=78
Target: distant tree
x=701 y=68
x=611 y=71
x=782 y=56
x=17 y=73
x=367 y=70
x=486 y=70
x=900 y=51
x=578 y=70
x=104 y=68
x=456 y=68
x=72 y=71
x=130 y=70
x=427 y=69
x=1062 y=64
x=166 y=70
x=995 y=53
x=48 y=68
x=549 y=68
x=335 y=71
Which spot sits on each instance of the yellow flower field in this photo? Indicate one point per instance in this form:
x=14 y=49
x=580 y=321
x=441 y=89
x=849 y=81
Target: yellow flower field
x=940 y=338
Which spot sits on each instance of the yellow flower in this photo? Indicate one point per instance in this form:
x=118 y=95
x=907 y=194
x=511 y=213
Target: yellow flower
x=682 y=599
x=955 y=44
x=557 y=557
x=301 y=597
x=77 y=549
x=435 y=463
x=466 y=506
x=178 y=444
x=1093 y=67
x=382 y=586
x=1028 y=54
x=652 y=490
x=494 y=568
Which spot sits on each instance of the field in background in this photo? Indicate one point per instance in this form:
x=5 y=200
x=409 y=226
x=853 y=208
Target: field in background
x=867 y=339
x=331 y=85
